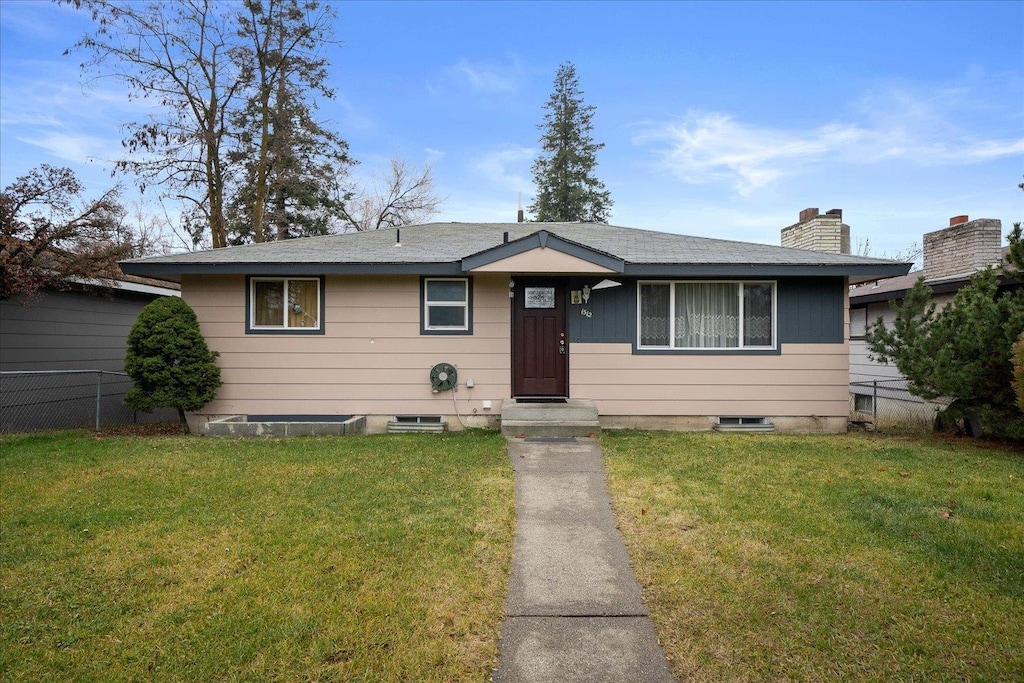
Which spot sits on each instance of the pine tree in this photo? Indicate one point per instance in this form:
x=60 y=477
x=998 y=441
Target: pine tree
x=169 y=361
x=567 y=189
x=961 y=352
x=291 y=185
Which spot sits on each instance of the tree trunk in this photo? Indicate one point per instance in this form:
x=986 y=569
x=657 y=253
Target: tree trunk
x=184 y=421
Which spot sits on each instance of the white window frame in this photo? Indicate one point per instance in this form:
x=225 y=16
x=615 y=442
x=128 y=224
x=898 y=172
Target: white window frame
x=672 y=318
x=427 y=305
x=858 y=322
x=284 y=311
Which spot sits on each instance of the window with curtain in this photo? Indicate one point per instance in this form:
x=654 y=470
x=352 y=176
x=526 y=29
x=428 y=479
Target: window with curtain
x=447 y=307
x=291 y=304
x=707 y=315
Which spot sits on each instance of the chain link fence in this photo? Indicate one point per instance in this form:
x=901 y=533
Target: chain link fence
x=67 y=399
x=888 y=406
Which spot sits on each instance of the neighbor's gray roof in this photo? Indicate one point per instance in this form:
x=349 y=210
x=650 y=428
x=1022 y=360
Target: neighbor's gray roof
x=440 y=248
x=887 y=289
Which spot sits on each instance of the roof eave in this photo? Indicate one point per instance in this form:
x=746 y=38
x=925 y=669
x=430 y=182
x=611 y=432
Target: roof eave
x=173 y=272
x=859 y=272
x=542 y=239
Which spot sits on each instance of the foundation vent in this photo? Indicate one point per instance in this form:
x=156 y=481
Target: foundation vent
x=744 y=424
x=417 y=423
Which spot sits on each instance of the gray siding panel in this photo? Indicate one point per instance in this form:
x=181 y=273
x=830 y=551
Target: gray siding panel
x=75 y=330
x=612 y=313
x=811 y=310
x=68 y=330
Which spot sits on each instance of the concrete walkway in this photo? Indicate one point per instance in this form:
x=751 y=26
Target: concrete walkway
x=574 y=611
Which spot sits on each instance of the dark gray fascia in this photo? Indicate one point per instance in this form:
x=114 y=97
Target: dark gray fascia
x=761 y=270
x=172 y=272
x=537 y=240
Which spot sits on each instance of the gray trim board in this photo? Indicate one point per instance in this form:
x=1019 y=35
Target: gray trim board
x=173 y=272
x=754 y=270
x=542 y=239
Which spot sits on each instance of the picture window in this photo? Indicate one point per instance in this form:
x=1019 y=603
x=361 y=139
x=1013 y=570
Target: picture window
x=707 y=315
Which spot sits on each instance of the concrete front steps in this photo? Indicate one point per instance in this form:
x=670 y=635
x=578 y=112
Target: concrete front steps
x=575 y=417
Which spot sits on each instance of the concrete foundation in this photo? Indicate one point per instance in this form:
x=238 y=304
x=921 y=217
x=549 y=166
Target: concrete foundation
x=575 y=418
x=239 y=426
x=700 y=423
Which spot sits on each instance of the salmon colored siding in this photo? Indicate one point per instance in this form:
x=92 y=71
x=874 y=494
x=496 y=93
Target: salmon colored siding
x=371 y=359
x=806 y=379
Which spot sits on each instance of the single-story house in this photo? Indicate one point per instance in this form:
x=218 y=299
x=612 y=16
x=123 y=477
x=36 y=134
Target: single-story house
x=657 y=329
x=950 y=256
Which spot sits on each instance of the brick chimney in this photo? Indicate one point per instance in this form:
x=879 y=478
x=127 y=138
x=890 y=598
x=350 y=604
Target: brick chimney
x=819 y=232
x=962 y=248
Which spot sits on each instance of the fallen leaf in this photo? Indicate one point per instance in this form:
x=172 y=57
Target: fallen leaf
x=904 y=474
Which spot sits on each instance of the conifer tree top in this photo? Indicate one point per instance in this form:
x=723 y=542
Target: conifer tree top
x=567 y=188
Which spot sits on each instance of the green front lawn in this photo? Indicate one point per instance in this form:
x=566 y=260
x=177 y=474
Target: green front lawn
x=363 y=558
x=826 y=558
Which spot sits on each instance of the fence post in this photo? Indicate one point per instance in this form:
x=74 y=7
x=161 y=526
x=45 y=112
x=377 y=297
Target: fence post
x=99 y=394
x=874 y=404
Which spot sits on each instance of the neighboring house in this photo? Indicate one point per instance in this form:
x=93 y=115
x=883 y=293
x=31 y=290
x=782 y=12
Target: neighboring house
x=950 y=256
x=83 y=328
x=658 y=330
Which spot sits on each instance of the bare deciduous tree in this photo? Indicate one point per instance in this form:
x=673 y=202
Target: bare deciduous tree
x=184 y=57
x=405 y=196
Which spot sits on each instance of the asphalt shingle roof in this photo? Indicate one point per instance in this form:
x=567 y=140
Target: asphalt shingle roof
x=452 y=242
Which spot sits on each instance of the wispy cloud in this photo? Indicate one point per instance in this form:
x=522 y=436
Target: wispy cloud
x=488 y=78
x=75 y=148
x=506 y=167
x=711 y=147
x=892 y=125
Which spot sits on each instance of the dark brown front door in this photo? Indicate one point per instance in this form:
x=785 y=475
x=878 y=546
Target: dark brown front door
x=540 y=343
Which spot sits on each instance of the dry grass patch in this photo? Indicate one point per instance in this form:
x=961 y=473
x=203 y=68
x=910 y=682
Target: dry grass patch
x=363 y=558
x=824 y=558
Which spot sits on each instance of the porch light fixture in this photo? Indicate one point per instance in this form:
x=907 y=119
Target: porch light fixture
x=606 y=284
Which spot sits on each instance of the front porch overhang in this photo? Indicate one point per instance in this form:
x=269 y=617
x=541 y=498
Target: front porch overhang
x=542 y=252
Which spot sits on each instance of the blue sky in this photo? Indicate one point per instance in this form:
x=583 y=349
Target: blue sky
x=719 y=119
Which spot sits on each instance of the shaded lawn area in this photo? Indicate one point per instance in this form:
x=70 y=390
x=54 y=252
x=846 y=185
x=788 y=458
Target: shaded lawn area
x=357 y=558
x=822 y=558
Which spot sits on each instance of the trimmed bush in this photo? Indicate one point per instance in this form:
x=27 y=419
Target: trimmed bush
x=169 y=360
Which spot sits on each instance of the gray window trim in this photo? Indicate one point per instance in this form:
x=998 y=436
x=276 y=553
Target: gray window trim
x=465 y=330
x=772 y=349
